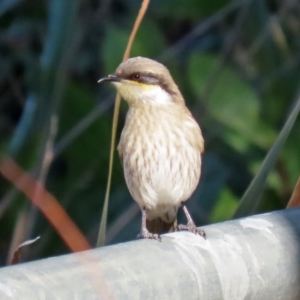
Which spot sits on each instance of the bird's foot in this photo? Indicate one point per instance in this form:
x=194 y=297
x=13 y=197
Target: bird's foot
x=191 y=227
x=145 y=234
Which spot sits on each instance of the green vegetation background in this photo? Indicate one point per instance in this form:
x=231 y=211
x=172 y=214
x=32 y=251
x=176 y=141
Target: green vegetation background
x=236 y=62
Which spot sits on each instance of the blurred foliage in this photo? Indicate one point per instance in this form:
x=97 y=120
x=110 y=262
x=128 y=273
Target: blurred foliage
x=236 y=62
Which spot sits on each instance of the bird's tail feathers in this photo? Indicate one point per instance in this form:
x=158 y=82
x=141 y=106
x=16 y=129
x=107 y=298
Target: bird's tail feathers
x=159 y=226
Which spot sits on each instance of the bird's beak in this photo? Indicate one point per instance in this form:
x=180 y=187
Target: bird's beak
x=112 y=78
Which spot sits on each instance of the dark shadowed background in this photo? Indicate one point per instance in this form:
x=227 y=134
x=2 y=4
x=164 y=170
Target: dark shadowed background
x=237 y=64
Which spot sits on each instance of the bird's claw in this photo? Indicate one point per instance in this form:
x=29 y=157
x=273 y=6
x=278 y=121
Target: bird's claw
x=191 y=227
x=145 y=234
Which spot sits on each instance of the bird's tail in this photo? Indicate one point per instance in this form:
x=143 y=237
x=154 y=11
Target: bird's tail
x=159 y=226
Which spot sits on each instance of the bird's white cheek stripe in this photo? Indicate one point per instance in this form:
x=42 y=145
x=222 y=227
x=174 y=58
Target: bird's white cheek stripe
x=155 y=95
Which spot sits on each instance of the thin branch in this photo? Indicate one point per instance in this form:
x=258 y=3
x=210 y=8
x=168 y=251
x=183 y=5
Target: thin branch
x=47 y=204
x=295 y=199
x=18 y=234
x=45 y=164
x=81 y=126
x=201 y=29
x=122 y=221
x=102 y=229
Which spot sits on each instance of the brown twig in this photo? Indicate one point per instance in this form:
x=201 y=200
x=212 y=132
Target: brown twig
x=60 y=220
x=295 y=199
x=46 y=203
x=18 y=235
x=102 y=229
x=43 y=172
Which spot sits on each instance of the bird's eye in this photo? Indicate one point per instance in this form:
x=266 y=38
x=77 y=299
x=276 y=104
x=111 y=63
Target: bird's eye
x=135 y=76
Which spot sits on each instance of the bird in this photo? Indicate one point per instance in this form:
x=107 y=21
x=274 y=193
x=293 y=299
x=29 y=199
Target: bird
x=160 y=147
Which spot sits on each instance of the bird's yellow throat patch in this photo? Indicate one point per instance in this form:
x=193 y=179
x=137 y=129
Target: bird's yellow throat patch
x=142 y=85
x=136 y=92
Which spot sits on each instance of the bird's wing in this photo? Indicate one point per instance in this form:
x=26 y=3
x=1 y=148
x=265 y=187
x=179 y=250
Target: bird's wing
x=119 y=148
x=197 y=134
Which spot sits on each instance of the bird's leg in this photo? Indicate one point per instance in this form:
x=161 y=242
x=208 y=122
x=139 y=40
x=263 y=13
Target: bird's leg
x=190 y=226
x=145 y=234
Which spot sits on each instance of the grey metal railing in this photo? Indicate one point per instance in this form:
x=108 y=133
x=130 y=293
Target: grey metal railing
x=251 y=258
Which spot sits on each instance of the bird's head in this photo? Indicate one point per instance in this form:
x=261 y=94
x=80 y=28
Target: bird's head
x=143 y=80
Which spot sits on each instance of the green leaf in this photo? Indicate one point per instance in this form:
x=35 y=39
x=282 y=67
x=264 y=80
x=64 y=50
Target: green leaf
x=252 y=195
x=87 y=149
x=232 y=102
x=225 y=207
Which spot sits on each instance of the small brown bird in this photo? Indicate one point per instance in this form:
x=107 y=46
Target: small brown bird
x=160 y=147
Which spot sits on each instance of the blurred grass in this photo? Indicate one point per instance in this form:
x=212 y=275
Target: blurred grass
x=237 y=63
x=250 y=199
x=103 y=222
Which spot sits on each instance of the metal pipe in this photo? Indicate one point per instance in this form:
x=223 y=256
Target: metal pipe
x=256 y=257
